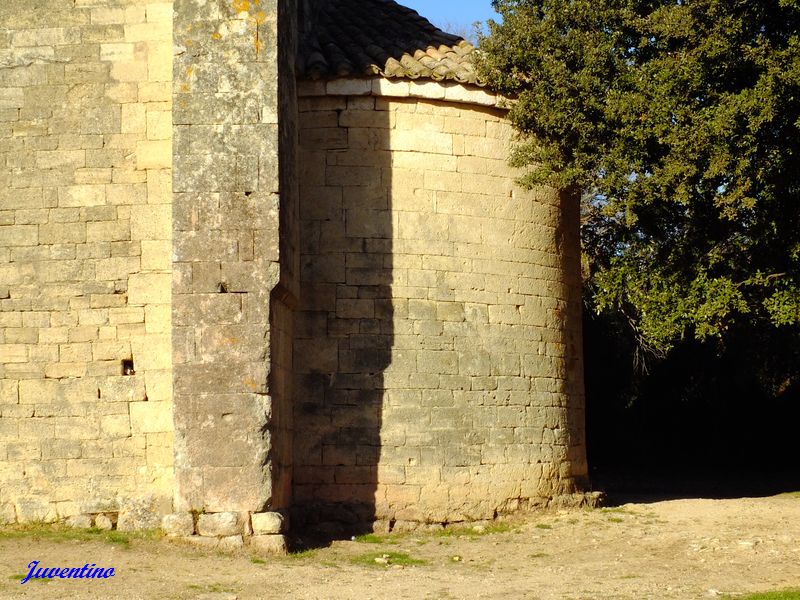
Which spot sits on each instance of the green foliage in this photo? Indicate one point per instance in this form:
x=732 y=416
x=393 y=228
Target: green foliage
x=679 y=120
x=304 y=553
x=372 y=538
x=473 y=532
x=21 y=576
x=60 y=533
x=782 y=595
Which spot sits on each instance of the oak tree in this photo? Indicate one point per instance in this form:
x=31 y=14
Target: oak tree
x=678 y=122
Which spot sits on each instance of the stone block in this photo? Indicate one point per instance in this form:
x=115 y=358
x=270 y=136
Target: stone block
x=349 y=87
x=230 y=543
x=13 y=353
x=151 y=417
x=159 y=12
x=199 y=541
x=221 y=524
x=33 y=508
x=81 y=195
x=207 y=309
x=115 y=426
x=267 y=523
x=154 y=154
x=151 y=222
x=12 y=98
x=158 y=385
x=101 y=120
x=439 y=362
x=203 y=246
x=391 y=87
x=158 y=318
x=460 y=93
x=9 y=391
x=159 y=125
x=56 y=159
x=51 y=36
x=134 y=118
x=79 y=428
x=38 y=391
x=178 y=524
x=60 y=449
x=108 y=231
x=79 y=521
x=127 y=193
x=435 y=143
x=140 y=513
x=7 y=513
x=269 y=544
x=150 y=288
x=355 y=309
x=19 y=235
x=155 y=91
x=422 y=161
x=431 y=90
x=117 y=52
x=127 y=314
x=103 y=522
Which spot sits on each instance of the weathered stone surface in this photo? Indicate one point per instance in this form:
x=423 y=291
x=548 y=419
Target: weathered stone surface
x=103 y=522
x=35 y=509
x=447 y=335
x=225 y=240
x=7 y=513
x=138 y=514
x=267 y=523
x=208 y=543
x=231 y=542
x=416 y=304
x=178 y=524
x=268 y=544
x=79 y=521
x=219 y=524
x=84 y=124
x=100 y=505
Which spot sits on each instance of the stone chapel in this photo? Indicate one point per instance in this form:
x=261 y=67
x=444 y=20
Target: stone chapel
x=264 y=265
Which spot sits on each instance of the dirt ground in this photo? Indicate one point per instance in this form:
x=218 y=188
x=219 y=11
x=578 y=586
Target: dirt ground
x=678 y=549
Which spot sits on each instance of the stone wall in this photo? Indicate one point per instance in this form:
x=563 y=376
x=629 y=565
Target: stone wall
x=437 y=347
x=225 y=220
x=85 y=241
x=284 y=296
x=408 y=317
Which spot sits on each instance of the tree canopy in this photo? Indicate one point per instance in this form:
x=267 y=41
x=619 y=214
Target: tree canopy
x=679 y=123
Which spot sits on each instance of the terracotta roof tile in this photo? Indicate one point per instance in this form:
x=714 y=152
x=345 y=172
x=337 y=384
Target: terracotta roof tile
x=365 y=38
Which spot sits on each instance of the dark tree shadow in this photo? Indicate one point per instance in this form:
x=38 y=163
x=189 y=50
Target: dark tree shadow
x=700 y=424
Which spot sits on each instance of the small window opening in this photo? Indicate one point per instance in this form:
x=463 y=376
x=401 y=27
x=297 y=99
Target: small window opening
x=127 y=366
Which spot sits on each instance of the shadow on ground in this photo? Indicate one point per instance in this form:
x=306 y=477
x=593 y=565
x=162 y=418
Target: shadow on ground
x=623 y=485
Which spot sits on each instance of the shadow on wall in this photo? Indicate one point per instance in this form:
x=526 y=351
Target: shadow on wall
x=344 y=328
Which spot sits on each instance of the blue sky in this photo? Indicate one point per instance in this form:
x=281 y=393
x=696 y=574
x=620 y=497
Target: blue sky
x=459 y=13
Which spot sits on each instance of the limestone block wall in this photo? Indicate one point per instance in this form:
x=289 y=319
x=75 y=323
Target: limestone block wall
x=85 y=268
x=225 y=250
x=437 y=344
x=283 y=300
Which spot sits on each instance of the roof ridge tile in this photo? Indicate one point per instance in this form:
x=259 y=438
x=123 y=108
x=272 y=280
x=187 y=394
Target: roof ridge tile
x=363 y=38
